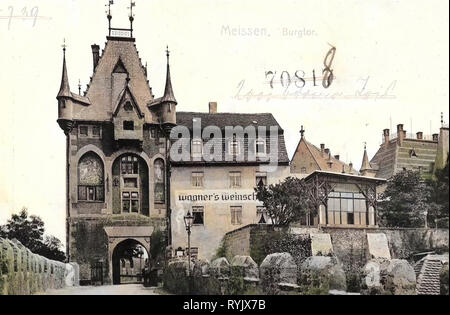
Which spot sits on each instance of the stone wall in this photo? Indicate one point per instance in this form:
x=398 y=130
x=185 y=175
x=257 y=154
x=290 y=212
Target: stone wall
x=24 y=273
x=350 y=245
x=247 y=241
x=278 y=274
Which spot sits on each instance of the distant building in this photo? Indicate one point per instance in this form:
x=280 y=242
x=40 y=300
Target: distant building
x=403 y=151
x=220 y=193
x=341 y=196
x=309 y=158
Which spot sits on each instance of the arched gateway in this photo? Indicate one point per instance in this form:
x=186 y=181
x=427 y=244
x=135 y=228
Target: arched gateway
x=125 y=243
x=129 y=258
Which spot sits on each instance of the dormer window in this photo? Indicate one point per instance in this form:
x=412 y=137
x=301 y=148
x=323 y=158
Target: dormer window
x=128 y=125
x=234 y=148
x=197 y=148
x=260 y=147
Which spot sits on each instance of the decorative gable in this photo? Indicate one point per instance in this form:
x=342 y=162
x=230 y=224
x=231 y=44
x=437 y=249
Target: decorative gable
x=127 y=118
x=119 y=61
x=303 y=161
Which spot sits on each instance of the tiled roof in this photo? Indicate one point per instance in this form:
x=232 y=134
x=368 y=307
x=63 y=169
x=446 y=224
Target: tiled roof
x=385 y=160
x=393 y=157
x=81 y=99
x=223 y=120
x=98 y=92
x=348 y=176
x=428 y=274
x=323 y=160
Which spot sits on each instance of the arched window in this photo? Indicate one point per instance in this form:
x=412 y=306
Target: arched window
x=159 y=172
x=90 y=178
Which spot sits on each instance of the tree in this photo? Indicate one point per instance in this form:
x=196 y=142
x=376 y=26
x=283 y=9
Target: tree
x=50 y=248
x=439 y=196
x=29 y=230
x=3 y=233
x=406 y=201
x=285 y=202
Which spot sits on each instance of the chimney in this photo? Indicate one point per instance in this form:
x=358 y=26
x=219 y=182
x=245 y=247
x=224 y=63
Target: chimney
x=419 y=135
x=95 y=54
x=351 y=166
x=386 y=136
x=400 y=134
x=337 y=157
x=436 y=137
x=213 y=107
x=322 y=148
x=327 y=151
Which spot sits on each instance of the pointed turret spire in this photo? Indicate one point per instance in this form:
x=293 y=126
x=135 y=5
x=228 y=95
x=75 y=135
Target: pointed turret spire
x=365 y=162
x=64 y=90
x=168 y=92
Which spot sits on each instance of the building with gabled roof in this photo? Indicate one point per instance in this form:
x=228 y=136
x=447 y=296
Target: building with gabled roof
x=309 y=158
x=215 y=182
x=117 y=184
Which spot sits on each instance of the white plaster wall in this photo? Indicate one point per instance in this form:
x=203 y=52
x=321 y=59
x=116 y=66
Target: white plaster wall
x=217 y=215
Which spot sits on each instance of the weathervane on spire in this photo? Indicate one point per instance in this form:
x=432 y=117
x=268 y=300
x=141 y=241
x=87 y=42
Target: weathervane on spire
x=64 y=46
x=109 y=16
x=167 y=53
x=132 y=4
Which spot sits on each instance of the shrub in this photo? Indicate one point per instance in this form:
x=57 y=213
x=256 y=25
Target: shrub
x=280 y=242
x=444 y=280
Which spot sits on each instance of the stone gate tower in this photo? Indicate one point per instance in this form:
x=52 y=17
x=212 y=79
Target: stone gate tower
x=116 y=156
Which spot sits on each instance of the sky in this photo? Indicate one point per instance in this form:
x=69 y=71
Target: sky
x=390 y=67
